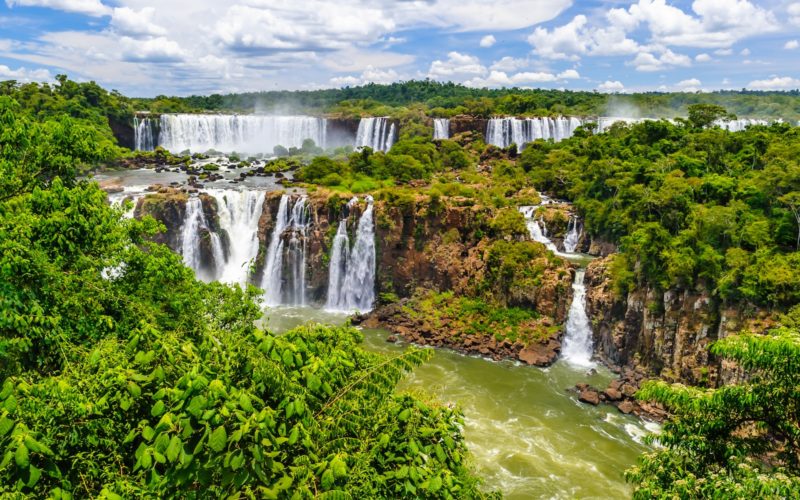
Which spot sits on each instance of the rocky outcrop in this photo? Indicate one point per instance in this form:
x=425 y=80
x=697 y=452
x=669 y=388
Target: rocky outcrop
x=421 y=243
x=438 y=332
x=467 y=123
x=341 y=131
x=664 y=333
x=123 y=132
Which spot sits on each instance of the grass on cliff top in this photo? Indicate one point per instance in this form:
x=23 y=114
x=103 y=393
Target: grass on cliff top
x=466 y=316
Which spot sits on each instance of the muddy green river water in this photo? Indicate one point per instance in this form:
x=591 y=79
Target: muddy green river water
x=529 y=435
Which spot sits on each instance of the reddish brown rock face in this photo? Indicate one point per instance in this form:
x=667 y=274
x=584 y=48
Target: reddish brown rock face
x=665 y=334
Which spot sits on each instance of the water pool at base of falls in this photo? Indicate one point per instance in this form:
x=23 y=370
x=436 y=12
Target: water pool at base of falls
x=529 y=435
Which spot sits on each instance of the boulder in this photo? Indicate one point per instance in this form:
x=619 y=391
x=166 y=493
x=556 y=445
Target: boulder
x=589 y=396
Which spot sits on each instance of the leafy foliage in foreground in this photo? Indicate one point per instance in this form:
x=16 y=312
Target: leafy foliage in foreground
x=738 y=441
x=233 y=411
x=125 y=376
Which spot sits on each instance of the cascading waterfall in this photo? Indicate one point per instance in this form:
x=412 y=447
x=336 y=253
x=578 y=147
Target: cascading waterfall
x=739 y=124
x=376 y=133
x=351 y=279
x=503 y=132
x=537 y=228
x=340 y=254
x=194 y=225
x=239 y=212
x=577 y=348
x=132 y=193
x=144 y=138
x=296 y=254
x=295 y=221
x=573 y=235
x=240 y=133
x=441 y=128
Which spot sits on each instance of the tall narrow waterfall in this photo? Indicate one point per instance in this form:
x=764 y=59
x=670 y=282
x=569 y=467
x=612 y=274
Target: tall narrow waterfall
x=240 y=133
x=376 y=133
x=577 y=348
x=573 y=235
x=144 y=136
x=194 y=228
x=351 y=279
x=503 y=132
x=239 y=212
x=337 y=273
x=441 y=128
x=293 y=221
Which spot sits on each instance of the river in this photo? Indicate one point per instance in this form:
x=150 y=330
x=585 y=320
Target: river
x=530 y=436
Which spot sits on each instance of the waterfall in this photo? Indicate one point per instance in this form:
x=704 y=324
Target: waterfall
x=573 y=235
x=133 y=193
x=351 y=279
x=538 y=230
x=295 y=221
x=144 y=139
x=441 y=128
x=740 y=124
x=194 y=225
x=296 y=254
x=240 y=133
x=193 y=222
x=577 y=349
x=502 y=132
x=239 y=213
x=337 y=272
x=376 y=133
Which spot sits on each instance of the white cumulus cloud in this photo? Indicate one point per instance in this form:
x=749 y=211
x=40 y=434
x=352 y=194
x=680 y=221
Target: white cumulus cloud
x=646 y=61
x=611 y=86
x=488 y=41
x=456 y=65
x=89 y=7
x=154 y=50
x=24 y=75
x=136 y=23
x=791 y=45
x=689 y=85
x=775 y=83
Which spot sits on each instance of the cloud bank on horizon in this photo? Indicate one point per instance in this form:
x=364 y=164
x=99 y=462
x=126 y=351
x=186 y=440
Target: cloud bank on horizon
x=144 y=48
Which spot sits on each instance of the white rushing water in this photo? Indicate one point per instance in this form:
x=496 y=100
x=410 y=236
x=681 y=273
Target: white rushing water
x=195 y=226
x=577 y=348
x=538 y=230
x=144 y=138
x=739 y=124
x=503 y=132
x=441 y=128
x=573 y=235
x=290 y=226
x=337 y=272
x=239 y=213
x=132 y=193
x=376 y=133
x=240 y=133
x=351 y=278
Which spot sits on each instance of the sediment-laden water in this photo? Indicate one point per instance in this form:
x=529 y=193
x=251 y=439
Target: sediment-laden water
x=530 y=436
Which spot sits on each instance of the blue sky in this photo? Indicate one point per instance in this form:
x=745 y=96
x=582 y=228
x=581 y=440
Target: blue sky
x=146 y=48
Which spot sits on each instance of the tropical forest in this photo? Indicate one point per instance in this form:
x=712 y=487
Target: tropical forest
x=383 y=288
